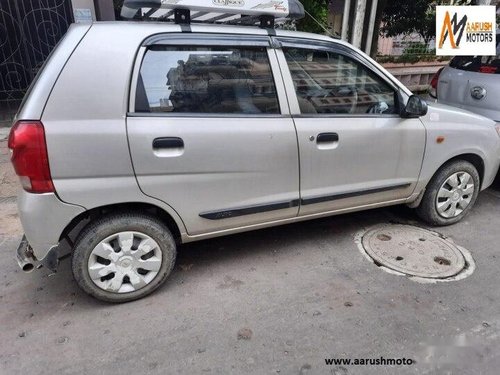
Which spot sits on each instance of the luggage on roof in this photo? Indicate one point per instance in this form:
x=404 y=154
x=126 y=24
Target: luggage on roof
x=214 y=11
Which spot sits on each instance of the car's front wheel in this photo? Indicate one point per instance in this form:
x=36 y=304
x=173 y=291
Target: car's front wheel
x=123 y=257
x=450 y=194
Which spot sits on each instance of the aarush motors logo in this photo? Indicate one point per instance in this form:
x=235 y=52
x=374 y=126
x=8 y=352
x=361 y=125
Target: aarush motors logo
x=452 y=30
x=465 y=30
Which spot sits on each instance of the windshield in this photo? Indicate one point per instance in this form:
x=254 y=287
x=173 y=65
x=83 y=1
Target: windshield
x=479 y=64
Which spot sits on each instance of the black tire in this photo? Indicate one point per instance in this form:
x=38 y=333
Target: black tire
x=108 y=225
x=427 y=210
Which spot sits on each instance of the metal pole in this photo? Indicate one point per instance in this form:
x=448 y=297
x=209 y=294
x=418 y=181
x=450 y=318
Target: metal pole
x=345 y=19
x=371 y=26
x=359 y=19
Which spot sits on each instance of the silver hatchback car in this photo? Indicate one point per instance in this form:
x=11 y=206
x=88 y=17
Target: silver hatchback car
x=139 y=136
x=471 y=83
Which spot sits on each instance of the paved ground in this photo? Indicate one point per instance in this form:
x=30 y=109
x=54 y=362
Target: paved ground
x=304 y=291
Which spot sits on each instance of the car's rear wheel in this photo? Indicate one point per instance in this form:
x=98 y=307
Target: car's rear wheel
x=123 y=257
x=450 y=194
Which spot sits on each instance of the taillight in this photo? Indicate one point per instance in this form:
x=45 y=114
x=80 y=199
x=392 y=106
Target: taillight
x=435 y=79
x=488 y=69
x=29 y=156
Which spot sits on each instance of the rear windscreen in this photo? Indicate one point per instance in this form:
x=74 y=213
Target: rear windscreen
x=479 y=64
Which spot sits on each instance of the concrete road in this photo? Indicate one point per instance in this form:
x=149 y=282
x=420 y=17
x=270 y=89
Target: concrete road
x=275 y=301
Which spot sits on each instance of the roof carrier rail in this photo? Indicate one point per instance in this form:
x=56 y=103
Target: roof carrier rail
x=235 y=12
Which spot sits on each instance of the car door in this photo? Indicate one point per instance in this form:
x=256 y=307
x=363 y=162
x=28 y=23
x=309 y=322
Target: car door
x=210 y=133
x=355 y=149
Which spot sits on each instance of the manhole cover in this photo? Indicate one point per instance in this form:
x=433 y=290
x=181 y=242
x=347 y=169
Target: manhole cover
x=413 y=251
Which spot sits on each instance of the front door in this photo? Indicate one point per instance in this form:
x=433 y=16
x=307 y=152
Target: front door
x=210 y=134
x=355 y=150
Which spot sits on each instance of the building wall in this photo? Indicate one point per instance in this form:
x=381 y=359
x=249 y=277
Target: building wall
x=105 y=10
x=335 y=15
x=83 y=5
x=100 y=10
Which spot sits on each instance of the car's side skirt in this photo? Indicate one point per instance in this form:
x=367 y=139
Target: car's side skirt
x=250 y=210
x=191 y=238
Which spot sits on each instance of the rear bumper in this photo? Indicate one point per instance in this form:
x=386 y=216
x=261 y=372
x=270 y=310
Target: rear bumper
x=28 y=262
x=44 y=218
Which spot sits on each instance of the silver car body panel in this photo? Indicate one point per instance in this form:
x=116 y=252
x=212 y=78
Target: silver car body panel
x=44 y=217
x=464 y=133
x=38 y=94
x=262 y=168
x=191 y=238
x=87 y=116
x=455 y=88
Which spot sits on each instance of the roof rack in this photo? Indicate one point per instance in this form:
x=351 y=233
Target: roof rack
x=263 y=13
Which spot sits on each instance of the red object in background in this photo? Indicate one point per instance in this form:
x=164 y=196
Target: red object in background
x=29 y=156
x=488 y=69
x=435 y=79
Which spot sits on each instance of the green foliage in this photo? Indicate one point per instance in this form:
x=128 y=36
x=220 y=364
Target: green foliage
x=416 y=48
x=413 y=16
x=415 y=52
x=410 y=59
x=317 y=9
x=405 y=17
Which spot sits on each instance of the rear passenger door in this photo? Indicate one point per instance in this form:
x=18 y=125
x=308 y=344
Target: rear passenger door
x=210 y=132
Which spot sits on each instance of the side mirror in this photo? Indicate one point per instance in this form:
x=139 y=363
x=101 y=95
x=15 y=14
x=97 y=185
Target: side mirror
x=415 y=107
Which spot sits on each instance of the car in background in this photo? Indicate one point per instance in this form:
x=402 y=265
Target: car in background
x=471 y=83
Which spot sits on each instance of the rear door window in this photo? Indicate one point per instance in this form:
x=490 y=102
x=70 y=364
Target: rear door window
x=194 y=79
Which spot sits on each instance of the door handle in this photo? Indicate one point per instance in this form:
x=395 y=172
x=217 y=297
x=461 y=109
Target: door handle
x=168 y=142
x=327 y=138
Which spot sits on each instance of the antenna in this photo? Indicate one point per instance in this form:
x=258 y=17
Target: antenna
x=325 y=29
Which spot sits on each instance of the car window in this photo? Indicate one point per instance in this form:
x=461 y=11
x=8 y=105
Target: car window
x=193 y=79
x=478 y=64
x=330 y=83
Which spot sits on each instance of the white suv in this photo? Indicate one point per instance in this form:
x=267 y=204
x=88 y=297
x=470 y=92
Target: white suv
x=139 y=136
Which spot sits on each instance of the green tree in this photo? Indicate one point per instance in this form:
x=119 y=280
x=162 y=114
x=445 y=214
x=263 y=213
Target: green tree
x=406 y=17
x=317 y=9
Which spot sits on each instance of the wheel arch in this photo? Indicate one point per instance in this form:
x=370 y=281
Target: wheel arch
x=476 y=160
x=74 y=228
